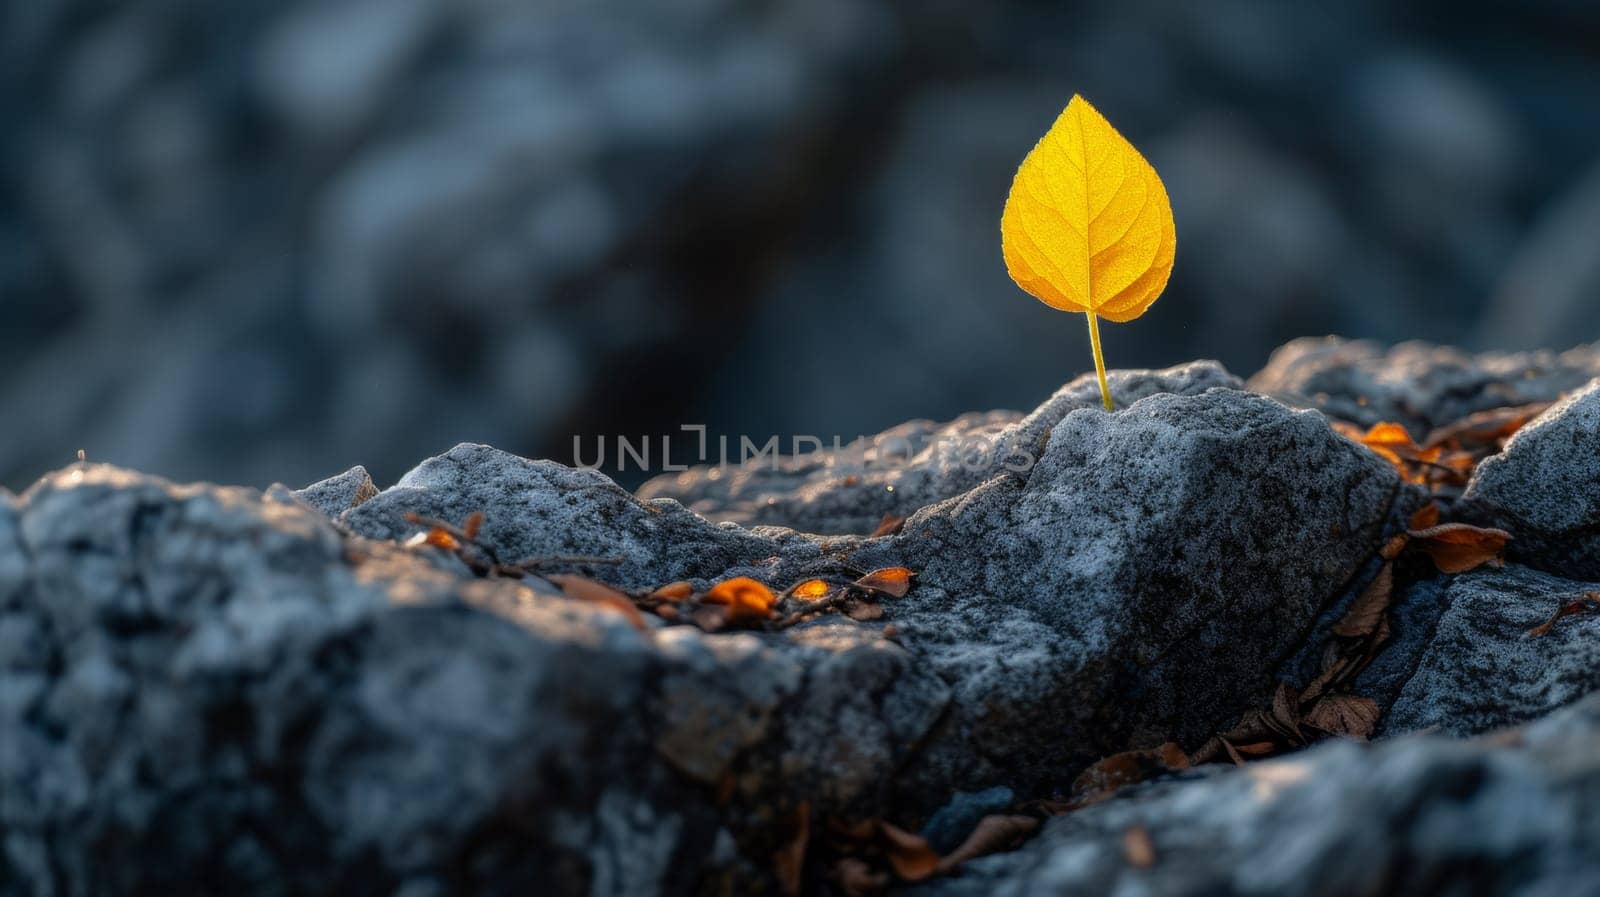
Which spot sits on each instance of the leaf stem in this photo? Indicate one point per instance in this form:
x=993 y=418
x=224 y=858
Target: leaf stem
x=1099 y=360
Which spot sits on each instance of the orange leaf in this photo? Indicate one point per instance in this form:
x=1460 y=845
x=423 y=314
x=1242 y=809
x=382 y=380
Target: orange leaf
x=673 y=591
x=437 y=537
x=1391 y=435
x=909 y=855
x=585 y=589
x=895 y=581
x=745 y=598
x=811 y=590
x=473 y=524
x=1459 y=547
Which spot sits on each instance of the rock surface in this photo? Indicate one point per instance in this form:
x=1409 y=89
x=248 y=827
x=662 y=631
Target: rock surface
x=1481 y=669
x=1545 y=487
x=267 y=693
x=906 y=467
x=1141 y=583
x=339 y=493
x=1419 y=385
x=1508 y=815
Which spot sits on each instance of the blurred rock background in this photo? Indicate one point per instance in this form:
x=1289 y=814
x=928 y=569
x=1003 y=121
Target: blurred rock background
x=256 y=241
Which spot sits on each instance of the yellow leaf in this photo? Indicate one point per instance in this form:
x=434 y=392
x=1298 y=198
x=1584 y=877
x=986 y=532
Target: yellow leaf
x=1088 y=226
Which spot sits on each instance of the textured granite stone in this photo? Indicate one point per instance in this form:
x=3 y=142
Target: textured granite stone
x=1545 y=488
x=1417 y=384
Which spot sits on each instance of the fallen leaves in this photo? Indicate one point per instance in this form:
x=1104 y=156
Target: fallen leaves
x=1369 y=607
x=811 y=589
x=1446 y=458
x=1347 y=715
x=585 y=589
x=893 y=581
x=1459 y=547
x=993 y=834
x=868 y=855
x=738 y=602
x=890 y=525
x=1105 y=777
x=909 y=855
x=1585 y=603
x=744 y=598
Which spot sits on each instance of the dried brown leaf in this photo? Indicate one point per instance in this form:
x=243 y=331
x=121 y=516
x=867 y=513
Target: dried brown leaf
x=1426 y=516
x=993 y=834
x=1487 y=427
x=1137 y=847
x=909 y=855
x=1344 y=715
x=890 y=525
x=1103 y=778
x=1392 y=548
x=1459 y=547
x=1286 y=710
x=473 y=525
x=1331 y=675
x=585 y=589
x=1368 y=608
x=1589 y=601
x=894 y=581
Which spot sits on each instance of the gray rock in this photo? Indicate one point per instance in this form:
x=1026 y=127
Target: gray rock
x=1247 y=518
x=1482 y=670
x=1142 y=583
x=548 y=511
x=1545 y=488
x=337 y=494
x=190 y=668
x=906 y=467
x=1420 y=385
x=201 y=685
x=1508 y=815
